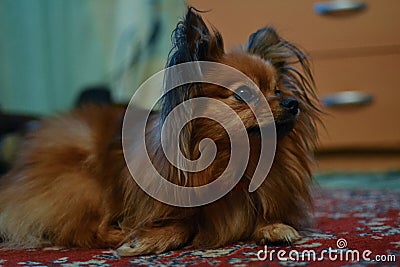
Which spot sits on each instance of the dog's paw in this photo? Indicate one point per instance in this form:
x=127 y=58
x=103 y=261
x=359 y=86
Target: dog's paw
x=136 y=247
x=155 y=240
x=277 y=232
x=146 y=245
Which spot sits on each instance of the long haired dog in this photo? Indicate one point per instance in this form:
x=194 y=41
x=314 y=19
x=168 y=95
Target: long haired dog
x=70 y=185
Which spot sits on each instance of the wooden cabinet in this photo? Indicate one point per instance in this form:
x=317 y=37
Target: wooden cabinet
x=375 y=125
x=350 y=51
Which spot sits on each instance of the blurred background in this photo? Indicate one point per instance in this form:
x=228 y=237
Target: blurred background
x=51 y=49
x=55 y=54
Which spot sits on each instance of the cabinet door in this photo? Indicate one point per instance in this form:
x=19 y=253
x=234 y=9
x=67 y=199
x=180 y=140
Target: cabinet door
x=374 y=125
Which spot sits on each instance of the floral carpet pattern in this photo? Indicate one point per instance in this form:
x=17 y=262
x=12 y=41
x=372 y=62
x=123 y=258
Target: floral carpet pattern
x=354 y=228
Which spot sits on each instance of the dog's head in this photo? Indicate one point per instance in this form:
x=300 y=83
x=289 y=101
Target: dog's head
x=267 y=59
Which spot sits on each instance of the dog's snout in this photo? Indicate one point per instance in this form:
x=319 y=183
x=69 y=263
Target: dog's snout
x=291 y=105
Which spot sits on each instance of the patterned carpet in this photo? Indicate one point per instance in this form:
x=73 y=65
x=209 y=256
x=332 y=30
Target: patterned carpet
x=354 y=228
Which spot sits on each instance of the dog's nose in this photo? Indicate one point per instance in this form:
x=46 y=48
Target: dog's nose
x=291 y=105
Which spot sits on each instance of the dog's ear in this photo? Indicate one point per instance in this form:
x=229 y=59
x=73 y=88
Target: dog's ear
x=193 y=41
x=268 y=44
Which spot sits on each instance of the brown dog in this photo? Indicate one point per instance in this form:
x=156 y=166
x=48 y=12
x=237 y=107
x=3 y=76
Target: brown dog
x=70 y=185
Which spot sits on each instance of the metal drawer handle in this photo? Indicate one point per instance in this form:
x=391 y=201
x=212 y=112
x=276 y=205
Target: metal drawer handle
x=338 y=6
x=348 y=98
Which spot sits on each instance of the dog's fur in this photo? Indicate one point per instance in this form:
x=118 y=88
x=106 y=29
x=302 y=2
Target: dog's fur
x=70 y=185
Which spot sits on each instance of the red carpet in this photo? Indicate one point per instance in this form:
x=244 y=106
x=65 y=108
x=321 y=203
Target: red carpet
x=360 y=228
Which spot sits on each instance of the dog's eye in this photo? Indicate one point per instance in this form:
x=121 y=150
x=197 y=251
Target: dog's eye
x=245 y=94
x=277 y=92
